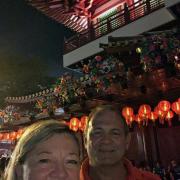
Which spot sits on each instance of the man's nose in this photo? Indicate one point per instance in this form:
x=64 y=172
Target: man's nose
x=106 y=138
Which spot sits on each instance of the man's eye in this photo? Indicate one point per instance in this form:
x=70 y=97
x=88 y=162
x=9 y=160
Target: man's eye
x=97 y=132
x=116 y=133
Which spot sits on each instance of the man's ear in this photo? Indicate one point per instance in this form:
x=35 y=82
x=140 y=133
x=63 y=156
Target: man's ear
x=19 y=172
x=128 y=139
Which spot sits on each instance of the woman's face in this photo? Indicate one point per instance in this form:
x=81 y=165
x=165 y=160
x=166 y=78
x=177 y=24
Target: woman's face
x=56 y=158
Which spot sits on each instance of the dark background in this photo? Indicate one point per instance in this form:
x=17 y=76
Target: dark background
x=31 y=48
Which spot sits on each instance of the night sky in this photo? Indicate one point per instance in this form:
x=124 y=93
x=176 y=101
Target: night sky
x=26 y=32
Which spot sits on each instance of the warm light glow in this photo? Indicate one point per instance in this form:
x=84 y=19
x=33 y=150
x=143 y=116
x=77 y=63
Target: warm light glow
x=139 y=50
x=176 y=107
x=74 y=124
x=144 y=109
x=164 y=105
x=127 y=112
x=153 y=116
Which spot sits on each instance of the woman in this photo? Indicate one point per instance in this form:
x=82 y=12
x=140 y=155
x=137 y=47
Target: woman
x=47 y=150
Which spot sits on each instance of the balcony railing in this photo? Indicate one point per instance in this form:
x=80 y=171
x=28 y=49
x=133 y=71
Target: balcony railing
x=121 y=18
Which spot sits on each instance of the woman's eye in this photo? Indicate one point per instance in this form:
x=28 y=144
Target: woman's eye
x=73 y=162
x=44 y=160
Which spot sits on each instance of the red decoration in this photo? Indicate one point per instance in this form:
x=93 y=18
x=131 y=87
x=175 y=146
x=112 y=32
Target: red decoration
x=164 y=105
x=74 y=124
x=20 y=131
x=6 y=136
x=176 y=107
x=1 y=136
x=12 y=135
x=169 y=117
x=127 y=112
x=130 y=120
x=161 y=114
x=153 y=116
x=98 y=58
x=138 y=119
x=83 y=122
x=144 y=111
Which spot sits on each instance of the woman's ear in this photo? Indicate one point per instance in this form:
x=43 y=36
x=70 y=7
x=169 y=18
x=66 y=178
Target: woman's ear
x=19 y=172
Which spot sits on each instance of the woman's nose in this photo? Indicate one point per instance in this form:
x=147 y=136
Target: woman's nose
x=59 y=171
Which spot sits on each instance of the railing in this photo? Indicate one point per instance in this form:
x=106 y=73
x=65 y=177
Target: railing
x=123 y=17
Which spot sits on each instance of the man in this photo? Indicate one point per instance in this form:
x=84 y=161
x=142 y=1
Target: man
x=106 y=139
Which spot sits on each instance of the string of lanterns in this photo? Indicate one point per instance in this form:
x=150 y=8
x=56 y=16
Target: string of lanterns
x=164 y=111
x=76 y=124
x=11 y=136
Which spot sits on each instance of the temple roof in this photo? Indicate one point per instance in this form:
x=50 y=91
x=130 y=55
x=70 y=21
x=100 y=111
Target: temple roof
x=73 y=14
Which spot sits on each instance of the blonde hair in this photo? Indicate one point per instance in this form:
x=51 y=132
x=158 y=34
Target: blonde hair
x=32 y=136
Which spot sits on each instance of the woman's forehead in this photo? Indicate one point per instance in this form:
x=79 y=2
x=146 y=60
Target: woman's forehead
x=58 y=141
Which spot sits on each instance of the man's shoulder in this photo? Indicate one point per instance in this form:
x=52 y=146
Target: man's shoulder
x=146 y=175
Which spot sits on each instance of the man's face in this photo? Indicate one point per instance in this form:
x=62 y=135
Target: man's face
x=106 y=141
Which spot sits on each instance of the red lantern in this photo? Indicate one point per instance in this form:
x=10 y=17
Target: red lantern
x=18 y=136
x=127 y=112
x=164 y=105
x=153 y=116
x=138 y=119
x=160 y=113
x=130 y=120
x=176 y=107
x=83 y=122
x=74 y=124
x=169 y=117
x=20 y=132
x=6 y=136
x=13 y=135
x=1 y=136
x=144 y=109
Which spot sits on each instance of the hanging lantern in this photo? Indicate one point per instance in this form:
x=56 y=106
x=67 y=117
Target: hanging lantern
x=138 y=119
x=160 y=113
x=18 y=136
x=169 y=117
x=127 y=112
x=1 y=136
x=164 y=105
x=153 y=116
x=176 y=107
x=12 y=135
x=83 y=122
x=19 y=133
x=6 y=136
x=144 y=111
x=130 y=120
x=74 y=124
